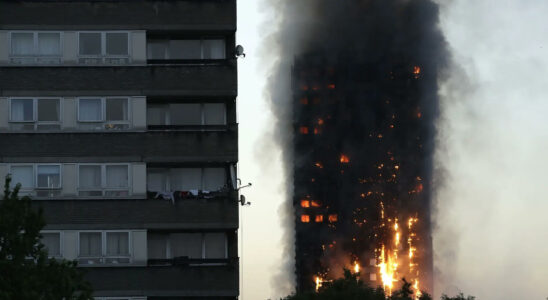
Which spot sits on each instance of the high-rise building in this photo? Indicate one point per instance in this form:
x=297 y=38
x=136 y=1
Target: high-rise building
x=363 y=135
x=119 y=119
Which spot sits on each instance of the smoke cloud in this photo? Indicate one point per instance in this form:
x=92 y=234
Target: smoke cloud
x=368 y=39
x=490 y=239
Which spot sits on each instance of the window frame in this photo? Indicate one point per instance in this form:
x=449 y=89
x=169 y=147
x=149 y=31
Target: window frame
x=35 y=56
x=35 y=175
x=166 y=172
x=168 y=240
x=103 y=57
x=104 y=120
x=167 y=54
x=168 y=119
x=103 y=188
x=35 y=120
x=104 y=255
x=61 y=243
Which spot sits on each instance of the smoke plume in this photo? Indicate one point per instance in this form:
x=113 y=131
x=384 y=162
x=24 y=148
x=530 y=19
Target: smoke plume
x=387 y=56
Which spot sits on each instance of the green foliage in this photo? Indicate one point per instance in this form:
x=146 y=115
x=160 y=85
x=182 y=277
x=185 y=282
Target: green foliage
x=457 y=297
x=26 y=272
x=350 y=287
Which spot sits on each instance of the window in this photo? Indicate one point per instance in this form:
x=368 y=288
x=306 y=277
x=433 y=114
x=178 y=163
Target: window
x=103 y=47
x=196 y=114
x=35 y=48
x=192 y=245
x=186 y=179
x=35 y=114
x=44 y=178
x=104 y=247
x=181 y=49
x=103 y=180
x=110 y=113
x=52 y=243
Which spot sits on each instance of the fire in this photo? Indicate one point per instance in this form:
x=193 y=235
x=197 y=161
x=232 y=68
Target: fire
x=416 y=70
x=320 y=121
x=319 y=218
x=319 y=165
x=319 y=282
x=305 y=203
x=316 y=203
x=387 y=269
x=344 y=159
x=303 y=130
x=305 y=218
x=333 y=218
x=356 y=267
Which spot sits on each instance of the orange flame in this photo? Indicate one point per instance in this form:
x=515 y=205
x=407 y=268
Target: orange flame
x=305 y=203
x=316 y=203
x=344 y=159
x=333 y=218
x=319 y=218
x=303 y=130
x=305 y=218
x=356 y=267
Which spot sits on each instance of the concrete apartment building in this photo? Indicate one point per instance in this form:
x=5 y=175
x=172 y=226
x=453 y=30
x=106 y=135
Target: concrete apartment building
x=119 y=119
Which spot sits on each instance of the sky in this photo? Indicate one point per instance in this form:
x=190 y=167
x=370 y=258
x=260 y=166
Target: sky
x=491 y=210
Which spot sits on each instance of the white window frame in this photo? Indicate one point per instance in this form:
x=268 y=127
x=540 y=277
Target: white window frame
x=61 y=242
x=169 y=255
x=166 y=171
x=35 y=111
x=201 y=39
x=104 y=256
x=103 y=188
x=35 y=175
x=35 y=56
x=167 y=117
x=104 y=58
x=104 y=120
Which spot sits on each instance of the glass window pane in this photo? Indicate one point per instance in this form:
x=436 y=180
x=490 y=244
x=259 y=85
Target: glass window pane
x=117 y=243
x=22 y=110
x=52 y=243
x=90 y=177
x=214 y=114
x=117 y=109
x=156 y=181
x=214 y=179
x=48 y=110
x=49 y=176
x=49 y=44
x=90 y=43
x=22 y=175
x=117 y=43
x=22 y=44
x=157 y=245
x=157 y=114
x=90 y=244
x=213 y=49
x=90 y=110
x=117 y=176
x=186 y=179
x=186 y=244
x=215 y=245
x=185 y=114
x=185 y=49
x=157 y=49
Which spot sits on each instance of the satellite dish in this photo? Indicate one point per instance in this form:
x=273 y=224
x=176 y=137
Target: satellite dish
x=239 y=51
x=243 y=201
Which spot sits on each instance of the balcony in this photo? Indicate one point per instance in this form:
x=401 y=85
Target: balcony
x=188 y=214
x=170 y=146
x=175 y=280
x=197 y=79
x=123 y=15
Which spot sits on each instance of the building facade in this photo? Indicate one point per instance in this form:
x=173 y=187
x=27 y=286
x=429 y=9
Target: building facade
x=119 y=119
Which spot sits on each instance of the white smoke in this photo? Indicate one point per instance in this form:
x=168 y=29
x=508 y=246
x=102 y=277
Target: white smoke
x=492 y=203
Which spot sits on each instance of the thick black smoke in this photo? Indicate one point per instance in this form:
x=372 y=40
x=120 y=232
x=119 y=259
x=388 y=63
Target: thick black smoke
x=357 y=78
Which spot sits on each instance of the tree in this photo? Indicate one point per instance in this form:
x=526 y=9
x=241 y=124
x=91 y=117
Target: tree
x=457 y=297
x=350 y=287
x=26 y=272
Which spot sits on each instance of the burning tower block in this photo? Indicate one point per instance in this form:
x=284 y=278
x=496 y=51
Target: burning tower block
x=363 y=135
